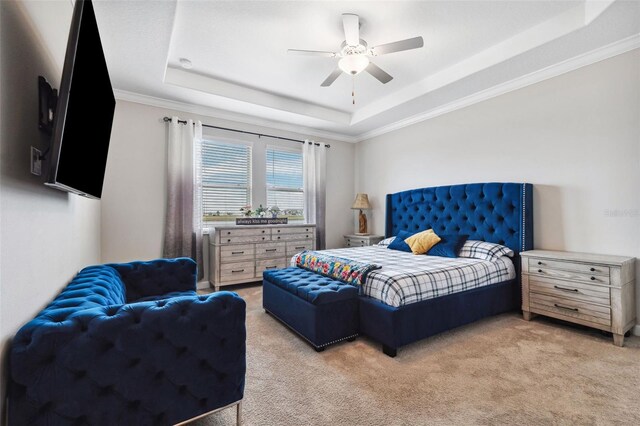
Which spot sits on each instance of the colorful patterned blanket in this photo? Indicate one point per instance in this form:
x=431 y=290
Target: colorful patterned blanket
x=338 y=268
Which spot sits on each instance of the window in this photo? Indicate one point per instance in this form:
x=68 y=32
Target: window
x=284 y=182
x=226 y=180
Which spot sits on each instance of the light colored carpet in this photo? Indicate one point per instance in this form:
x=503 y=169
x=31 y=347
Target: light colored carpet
x=501 y=370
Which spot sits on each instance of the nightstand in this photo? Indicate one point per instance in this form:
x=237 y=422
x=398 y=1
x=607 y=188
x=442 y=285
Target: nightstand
x=362 y=240
x=589 y=289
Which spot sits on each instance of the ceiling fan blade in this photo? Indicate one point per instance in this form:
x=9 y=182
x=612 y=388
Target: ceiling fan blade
x=351 y=24
x=332 y=77
x=311 y=53
x=398 y=46
x=378 y=73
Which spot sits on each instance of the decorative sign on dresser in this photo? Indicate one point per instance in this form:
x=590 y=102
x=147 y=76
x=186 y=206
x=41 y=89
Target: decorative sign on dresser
x=239 y=254
x=589 y=289
x=357 y=240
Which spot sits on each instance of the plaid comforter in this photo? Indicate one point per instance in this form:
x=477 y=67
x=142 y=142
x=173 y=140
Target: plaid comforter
x=407 y=278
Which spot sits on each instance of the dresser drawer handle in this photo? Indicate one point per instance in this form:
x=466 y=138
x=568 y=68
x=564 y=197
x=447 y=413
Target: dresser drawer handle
x=593 y=278
x=539 y=263
x=566 y=307
x=592 y=269
x=270 y=267
x=228 y=232
x=237 y=252
x=278 y=230
x=300 y=248
x=271 y=249
x=228 y=240
x=540 y=271
x=263 y=231
x=237 y=270
x=575 y=290
x=278 y=237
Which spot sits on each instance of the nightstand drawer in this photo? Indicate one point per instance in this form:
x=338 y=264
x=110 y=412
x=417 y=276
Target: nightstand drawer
x=584 y=268
x=543 y=271
x=356 y=242
x=571 y=290
x=596 y=314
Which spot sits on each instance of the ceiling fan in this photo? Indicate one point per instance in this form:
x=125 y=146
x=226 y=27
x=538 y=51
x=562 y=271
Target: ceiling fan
x=354 y=52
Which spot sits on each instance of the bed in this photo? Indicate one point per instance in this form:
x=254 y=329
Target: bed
x=500 y=213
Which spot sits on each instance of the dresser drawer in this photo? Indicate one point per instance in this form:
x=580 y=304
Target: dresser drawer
x=237 y=253
x=583 y=268
x=569 y=275
x=269 y=250
x=295 y=247
x=265 y=265
x=288 y=237
x=572 y=290
x=570 y=308
x=257 y=238
x=237 y=271
x=293 y=230
x=243 y=232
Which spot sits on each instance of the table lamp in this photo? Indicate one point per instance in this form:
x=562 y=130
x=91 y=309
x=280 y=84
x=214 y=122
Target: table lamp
x=361 y=203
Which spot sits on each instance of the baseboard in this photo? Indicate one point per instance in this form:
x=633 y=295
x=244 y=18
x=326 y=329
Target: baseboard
x=202 y=285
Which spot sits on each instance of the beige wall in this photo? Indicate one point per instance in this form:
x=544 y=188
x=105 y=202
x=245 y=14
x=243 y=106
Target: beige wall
x=46 y=236
x=133 y=201
x=576 y=137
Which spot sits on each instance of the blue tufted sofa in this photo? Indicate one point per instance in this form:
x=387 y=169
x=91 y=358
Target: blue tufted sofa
x=129 y=344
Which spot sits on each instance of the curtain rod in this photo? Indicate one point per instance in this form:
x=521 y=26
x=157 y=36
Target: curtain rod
x=167 y=119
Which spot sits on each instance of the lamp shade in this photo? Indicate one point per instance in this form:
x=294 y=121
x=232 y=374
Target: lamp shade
x=361 y=202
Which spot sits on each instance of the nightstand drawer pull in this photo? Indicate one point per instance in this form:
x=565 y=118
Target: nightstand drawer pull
x=592 y=269
x=575 y=290
x=593 y=278
x=539 y=271
x=237 y=252
x=539 y=263
x=566 y=307
x=237 y=270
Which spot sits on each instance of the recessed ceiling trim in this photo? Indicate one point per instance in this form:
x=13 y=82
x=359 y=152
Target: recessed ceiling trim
x=552 y=29
x=226 y=115
x=192 y=80
x=616 y=48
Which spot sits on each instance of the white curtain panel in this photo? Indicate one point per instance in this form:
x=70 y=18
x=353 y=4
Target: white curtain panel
x=315 y=158
x=183 y=225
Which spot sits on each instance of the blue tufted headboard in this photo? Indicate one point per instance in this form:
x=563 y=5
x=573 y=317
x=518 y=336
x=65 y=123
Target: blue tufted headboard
x=496 y=212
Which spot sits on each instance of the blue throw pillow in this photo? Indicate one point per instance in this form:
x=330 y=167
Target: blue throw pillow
x=449 y=245
x=399 y=244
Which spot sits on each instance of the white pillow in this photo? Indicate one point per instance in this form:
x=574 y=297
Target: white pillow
x=386 y=241
x=484 y=250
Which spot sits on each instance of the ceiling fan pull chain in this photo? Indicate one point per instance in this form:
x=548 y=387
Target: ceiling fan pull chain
x=353 y=89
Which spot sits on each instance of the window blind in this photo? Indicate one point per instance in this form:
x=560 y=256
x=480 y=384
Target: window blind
x=226 y=179
x=284 y=181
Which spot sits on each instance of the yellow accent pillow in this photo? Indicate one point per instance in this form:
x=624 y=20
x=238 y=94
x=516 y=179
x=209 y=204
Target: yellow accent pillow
x=421 y=242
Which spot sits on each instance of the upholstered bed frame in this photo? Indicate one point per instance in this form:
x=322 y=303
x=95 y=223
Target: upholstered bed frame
x=496 y=212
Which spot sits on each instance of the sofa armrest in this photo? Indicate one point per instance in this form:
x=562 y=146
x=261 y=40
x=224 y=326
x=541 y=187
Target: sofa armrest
x=157 y=277
x=158 y=362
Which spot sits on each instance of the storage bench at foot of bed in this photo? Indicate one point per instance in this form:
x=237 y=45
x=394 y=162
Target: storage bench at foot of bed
x=321 y=310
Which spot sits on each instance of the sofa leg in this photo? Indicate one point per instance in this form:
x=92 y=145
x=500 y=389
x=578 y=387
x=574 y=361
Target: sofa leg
x=351 y=339
x=239 y=414
x=389 y=351
x=320 y=349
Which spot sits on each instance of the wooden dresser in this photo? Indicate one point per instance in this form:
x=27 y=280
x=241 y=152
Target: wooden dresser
x=589 y=289
x=239 y=254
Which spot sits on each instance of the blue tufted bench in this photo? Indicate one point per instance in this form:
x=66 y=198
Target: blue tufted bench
x=322 y=310
x=129 y=344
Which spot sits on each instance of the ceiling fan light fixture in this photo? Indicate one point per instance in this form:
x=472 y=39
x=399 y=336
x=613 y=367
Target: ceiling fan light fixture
x=353 y=64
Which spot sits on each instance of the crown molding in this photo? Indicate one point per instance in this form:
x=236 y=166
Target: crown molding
x=616 y=48
x=585 y=59
x=226 y=115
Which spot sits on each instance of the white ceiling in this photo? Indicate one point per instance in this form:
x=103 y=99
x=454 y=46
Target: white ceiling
x=473 y=50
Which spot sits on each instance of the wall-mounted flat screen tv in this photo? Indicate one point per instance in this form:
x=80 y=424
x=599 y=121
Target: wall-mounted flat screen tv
x=84 y=113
